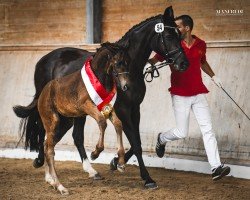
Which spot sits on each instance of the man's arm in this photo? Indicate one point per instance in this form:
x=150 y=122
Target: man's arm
x=208 y=70
x=157 y=58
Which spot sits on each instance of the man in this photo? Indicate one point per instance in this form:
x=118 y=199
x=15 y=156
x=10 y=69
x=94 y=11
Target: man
x=188 y=93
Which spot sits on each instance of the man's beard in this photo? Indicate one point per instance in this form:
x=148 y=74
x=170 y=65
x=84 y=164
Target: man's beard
x=183 y=35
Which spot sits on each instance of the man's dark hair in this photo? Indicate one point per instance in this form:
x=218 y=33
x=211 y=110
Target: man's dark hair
x=186 y=20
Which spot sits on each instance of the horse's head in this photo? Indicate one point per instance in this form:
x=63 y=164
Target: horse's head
x=167 y=41
x=118 y=65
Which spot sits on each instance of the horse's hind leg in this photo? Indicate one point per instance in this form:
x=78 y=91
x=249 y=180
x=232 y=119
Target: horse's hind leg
x=39 y=161
x=118 y=128
x=64 y=126
x=51 y=121
x=78 y=135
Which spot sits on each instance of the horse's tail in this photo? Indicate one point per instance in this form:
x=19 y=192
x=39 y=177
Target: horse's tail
x=29 y=125
x=25 y=111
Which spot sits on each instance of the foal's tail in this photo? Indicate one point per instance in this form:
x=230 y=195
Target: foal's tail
x=30 y=125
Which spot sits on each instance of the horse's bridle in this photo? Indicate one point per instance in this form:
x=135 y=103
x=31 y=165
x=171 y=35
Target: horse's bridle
x=116 y=74
x=170 y=53
x=153 y=69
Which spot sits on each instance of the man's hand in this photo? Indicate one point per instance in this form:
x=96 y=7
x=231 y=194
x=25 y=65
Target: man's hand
x=148 y=67
x=217 y=81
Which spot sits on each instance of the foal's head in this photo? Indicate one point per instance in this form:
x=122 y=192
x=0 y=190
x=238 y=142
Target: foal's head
x=118 y=65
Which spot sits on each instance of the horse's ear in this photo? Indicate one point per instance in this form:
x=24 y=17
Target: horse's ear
x=168 y=14
x=108 y=65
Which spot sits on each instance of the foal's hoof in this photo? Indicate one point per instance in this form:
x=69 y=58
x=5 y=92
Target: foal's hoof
x=113 y=164
x=97 y=177
x=121 y=168
x=63 y=190
x=151 y=185
x=38 y=163
x=93 y=156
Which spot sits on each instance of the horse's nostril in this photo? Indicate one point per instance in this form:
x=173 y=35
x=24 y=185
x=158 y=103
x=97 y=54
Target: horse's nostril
x=176 y=67
x=125 y=88
x=184 y=66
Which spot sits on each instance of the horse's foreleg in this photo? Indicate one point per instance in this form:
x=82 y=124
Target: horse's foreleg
x=149 y=182
x=132 y=132
x=78 y=135
x=118 y=127
x=136 y=122
x=100 y=144
x=92 y=111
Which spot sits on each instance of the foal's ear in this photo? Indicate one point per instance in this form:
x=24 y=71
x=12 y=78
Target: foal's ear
x=168 y=14
x=108 y=64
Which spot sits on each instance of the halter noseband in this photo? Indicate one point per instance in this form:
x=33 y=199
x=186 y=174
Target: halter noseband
x=153 y=69
x=116 y=74
x=170 y=53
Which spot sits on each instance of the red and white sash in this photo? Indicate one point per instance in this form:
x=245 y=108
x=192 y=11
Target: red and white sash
x=96 y=90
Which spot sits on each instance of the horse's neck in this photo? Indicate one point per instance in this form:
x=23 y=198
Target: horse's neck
x=140 y=48
x=99 y=67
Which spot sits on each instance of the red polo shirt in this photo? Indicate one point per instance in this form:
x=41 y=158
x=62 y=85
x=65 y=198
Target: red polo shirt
x=189 y=82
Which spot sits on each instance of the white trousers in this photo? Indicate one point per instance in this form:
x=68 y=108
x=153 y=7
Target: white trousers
x=182 y=107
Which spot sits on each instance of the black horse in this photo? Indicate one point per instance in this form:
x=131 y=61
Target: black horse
x=142 y=39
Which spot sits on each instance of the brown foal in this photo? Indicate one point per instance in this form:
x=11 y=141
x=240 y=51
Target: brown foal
x=68 y=96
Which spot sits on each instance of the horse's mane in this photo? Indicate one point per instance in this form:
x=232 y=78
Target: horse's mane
x=112 y=47
x=137 y=26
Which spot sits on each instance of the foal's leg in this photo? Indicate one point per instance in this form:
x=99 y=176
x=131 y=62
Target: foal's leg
x=92 y=111
x=50 y=124
x=64 y=126
x=100 y=119
x=118 y=128
x=78 y=135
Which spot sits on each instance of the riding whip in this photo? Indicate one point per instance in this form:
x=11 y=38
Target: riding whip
x=235 y=102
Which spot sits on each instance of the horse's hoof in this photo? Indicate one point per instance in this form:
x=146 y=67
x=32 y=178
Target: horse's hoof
x=121 y=168
x=64 y=191
x=151 y=185
x=97 y=177
x=113 y=164
x=93 y=156
x=38 y=163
